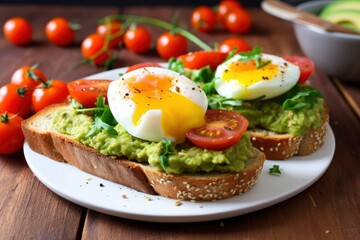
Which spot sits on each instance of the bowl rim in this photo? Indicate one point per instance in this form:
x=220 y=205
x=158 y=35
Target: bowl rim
x=303 y=6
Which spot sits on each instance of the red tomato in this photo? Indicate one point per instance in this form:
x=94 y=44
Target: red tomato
x=200 y=59
x=225 y=7
x=60 y=31
x=11 y=136
x=203 y=19
x=55 y=91
x=238 y=21
x=222 y=130
x=306 y=66
x=137 y=39
x=112 y=30
x=86 y=91
x=171 y=45
x=15 y=99
x=142 y=65
x=27 y=76
x=18 y=31
x=229 y=44
x=94 y=49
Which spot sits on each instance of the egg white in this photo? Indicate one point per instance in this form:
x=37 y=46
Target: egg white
x=149 y=126
x=284 y=80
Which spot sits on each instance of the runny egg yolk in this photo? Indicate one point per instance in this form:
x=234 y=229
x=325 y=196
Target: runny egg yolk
x=179 y=113
x=247 y=73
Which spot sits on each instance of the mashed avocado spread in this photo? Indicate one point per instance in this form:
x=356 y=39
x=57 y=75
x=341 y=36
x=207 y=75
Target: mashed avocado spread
x=296 y=112
x=185 y=157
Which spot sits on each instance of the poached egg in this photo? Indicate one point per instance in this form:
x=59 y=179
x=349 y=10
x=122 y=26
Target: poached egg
x=242 y=79
x=153 y=103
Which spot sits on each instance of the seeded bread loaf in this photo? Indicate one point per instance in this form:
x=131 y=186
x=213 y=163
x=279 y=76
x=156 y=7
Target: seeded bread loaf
x=282 y=146
x=141 y=177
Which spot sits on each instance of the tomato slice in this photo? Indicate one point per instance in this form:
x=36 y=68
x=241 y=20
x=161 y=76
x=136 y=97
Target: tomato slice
x=200 y=59
x=86 y=91
x=305 y=64
x=222 y=129
x=142 y=65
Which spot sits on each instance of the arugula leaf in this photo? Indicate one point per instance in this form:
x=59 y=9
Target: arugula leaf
x=254 y=54
x=103 y=118
x=298 y=97
x=176 y=65
x=167 y=151
x=209 y=88
x=217 y=102
x=275 y=170
x=202 y=75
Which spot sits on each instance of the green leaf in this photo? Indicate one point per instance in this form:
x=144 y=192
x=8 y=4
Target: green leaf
x=103 y=118
x=203 y=75
x=176 y=65
x=275 y=170
x=299 y=96
x=254 y=54
x=218 y=102
x=166 y=152
x=209 y=88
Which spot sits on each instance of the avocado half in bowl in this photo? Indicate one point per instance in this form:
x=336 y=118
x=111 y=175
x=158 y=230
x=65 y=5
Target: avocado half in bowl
x=338 y=54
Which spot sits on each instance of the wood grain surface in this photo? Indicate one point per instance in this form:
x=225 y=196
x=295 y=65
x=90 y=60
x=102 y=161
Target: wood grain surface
x=329 y=209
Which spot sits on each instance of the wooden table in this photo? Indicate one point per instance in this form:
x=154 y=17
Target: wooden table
x=329 y=209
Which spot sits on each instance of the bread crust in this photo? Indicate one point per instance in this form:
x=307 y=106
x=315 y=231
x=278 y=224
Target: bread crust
x=138 y=176
x=283 y=146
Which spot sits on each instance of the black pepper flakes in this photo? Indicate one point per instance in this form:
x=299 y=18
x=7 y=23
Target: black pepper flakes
x=102 y=185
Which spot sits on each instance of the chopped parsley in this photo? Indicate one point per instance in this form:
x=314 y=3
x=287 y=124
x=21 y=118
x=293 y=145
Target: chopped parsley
x=275 y=170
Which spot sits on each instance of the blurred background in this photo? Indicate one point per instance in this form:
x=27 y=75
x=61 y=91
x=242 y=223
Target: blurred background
x=249 y=3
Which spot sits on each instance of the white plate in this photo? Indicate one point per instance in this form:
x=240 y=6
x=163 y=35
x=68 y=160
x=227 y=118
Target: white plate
x=101 y=195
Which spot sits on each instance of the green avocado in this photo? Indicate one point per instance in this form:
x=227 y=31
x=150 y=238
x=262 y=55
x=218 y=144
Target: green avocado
x=345 y=13
x=340 y=6
x=185 y=157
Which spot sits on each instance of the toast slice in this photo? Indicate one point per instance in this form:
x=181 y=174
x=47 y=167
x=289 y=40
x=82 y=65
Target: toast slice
x=141 y=177
x=282 y=146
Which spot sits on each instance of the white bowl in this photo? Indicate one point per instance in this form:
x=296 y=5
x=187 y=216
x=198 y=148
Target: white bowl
x=337 y=54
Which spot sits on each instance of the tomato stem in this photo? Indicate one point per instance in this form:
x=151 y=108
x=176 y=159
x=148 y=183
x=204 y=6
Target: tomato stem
x=162 y=24
x=5 y=117
x=31 y=73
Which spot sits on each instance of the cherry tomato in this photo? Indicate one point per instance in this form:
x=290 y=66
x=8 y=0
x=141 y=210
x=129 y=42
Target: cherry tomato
x=171 y=45
x=15 y=99
x=203 y=19
x=137 y=39
x=200 y=59
x=18 y=31
x=306 y=66
x=142 y=65
x=55 y=91
x=94 y=48
x=238 y=21
x=113 y=30
x=229 y=44
x=60 y=31
x=86 y=91
x=11 y=136
x=28 y=76
x=222 y=129
x=225 y=7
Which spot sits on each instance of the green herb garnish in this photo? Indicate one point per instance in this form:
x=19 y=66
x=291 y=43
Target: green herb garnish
x=176 y=65
x=103 y=118
x=298 y=97
x=167 y=151
x=275 y=170
x=219 y=102
x=254 y=54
